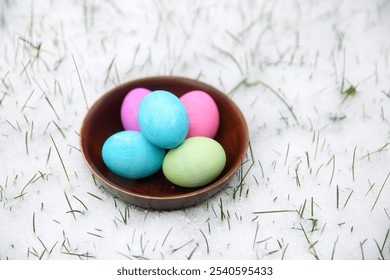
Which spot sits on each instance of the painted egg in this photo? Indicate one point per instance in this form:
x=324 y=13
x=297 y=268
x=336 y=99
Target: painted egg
x=203 y=115
x=130 y=106
x=196 y=162
x=163 y=119
x=128 y=154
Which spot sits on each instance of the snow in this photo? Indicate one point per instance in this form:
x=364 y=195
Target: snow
x=319 y=181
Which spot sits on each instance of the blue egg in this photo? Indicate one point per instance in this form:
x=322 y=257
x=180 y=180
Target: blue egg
x=163 y=119
x=129 y=155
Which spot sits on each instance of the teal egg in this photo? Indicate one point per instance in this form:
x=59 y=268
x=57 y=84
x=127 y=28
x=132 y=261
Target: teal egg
x=129 y=155
x=163 y=119
x=196 y=162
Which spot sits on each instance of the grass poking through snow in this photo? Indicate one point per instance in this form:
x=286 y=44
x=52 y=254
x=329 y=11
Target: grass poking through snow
x=314 y=183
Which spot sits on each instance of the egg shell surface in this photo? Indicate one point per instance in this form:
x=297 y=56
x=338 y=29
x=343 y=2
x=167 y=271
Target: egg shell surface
x=129 y=108
x=196 y=162
x=203 y=114
x=163 y=119
x=128 y=154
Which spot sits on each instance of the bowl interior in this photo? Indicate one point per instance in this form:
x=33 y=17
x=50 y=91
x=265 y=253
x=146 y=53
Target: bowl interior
x=103 y=120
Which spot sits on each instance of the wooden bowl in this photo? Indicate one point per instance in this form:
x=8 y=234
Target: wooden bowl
x=156 y=192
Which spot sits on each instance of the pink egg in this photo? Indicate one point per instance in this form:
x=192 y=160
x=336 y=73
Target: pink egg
x=202 y=112
x=130 y=106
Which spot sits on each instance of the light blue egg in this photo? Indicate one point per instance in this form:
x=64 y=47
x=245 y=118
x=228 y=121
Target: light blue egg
x=128 y=154
x=163 y=119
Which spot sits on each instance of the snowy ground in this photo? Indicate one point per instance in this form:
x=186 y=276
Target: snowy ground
x=311 y=77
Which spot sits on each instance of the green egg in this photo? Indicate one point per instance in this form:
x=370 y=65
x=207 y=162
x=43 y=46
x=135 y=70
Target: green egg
x=196 y=162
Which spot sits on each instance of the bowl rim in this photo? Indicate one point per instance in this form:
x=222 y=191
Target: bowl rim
x=198 y=190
